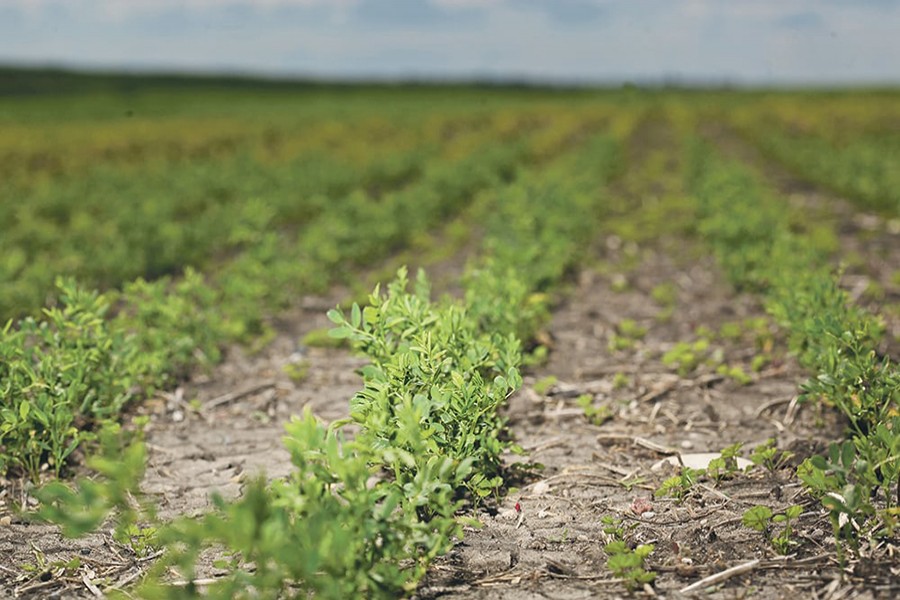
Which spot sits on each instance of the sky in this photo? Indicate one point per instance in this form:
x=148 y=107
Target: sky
x=566 y=41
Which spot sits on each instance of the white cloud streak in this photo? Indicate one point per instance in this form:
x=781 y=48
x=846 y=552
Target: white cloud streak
x=639 y=39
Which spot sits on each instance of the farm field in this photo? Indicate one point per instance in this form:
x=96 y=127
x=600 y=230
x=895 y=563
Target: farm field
x=578 y=296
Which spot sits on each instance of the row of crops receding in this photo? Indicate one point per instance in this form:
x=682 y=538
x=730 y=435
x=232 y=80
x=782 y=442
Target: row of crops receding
x=137 y=247
x=71 y=367
x=427 y=424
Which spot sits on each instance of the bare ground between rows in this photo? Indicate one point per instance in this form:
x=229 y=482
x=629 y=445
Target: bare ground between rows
x=553 y=546
x=207 y=436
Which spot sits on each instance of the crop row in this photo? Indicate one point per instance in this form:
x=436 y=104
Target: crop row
x=108 y=223
x=847 y=145
x=82 y=361
x=752 y=235
x=363 y=515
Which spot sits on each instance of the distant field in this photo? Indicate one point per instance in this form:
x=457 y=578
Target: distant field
x=666 y=267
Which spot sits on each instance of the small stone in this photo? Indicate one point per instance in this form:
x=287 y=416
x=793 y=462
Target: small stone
x=541 y=487
x=509 y=514
x=5 y=521
x=687 y=444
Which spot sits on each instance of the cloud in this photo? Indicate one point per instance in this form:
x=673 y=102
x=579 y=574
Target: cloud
x=801 y=20
x=568 y=12
x=597 y=40
x=405 y=14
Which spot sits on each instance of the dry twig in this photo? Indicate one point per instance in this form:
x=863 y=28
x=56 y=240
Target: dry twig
x=734 y=571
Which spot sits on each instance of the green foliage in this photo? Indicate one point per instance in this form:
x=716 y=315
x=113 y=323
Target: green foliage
x=725 y=466
x=86 y=507
x=325 y=530
x=861 y=168
x=596 y=415
x=624 y=561
x=628 y=332
x=61 y=375
x=762 y=519
x=542 y=386
x=320 y=338
x=686 y=356
x=679 y=486
x=436 y=380
x=365 y=517
x=665 y=294
x=629 y=564
x=768 y=456
x=76 y=365
x=750 y=234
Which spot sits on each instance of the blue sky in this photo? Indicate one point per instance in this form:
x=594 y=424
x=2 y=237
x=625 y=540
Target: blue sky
x=742 y=41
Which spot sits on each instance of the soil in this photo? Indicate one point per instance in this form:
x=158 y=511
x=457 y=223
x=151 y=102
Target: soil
x=546 y=539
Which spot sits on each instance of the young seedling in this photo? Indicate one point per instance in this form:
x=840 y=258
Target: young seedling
x=543 y=385
x=725 y=466
x=761 y=518
x=629 y=564
x=678 y=486
x=597 y=415
x=623 y=561
x=766 y=455
x=627 y=334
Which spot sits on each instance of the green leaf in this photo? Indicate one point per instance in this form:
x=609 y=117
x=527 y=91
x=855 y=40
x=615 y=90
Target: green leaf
x=848 y=453
x=340 y=332
x=794 y=511
x=757 y=518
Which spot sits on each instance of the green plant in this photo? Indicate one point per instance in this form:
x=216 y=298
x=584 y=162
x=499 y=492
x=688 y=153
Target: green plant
x=621 y=381
x=596 y=415
x=734 y=372
x=629 y=564
x=433 y=366
x=725 y=466
x=624 y=561
x=319 y=338
x=297 y=371
x=686 y=356
x=679 y=486
x=628 y=332
x=543 y=385
x=761 y=518
x=665 y=294
x=768 y=456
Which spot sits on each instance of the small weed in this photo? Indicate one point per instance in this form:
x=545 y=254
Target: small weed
x=735 y=373
x=679 y=486
x=623 y=561
x=760 y=362
x=629 y=564
x=297 y=371
x=621 y=381
x=597 y=415
x=619 y=283
x=766 y=455
x=665 y=294
x=761 y=518
x=725 y=466
x=543 y=385
x=628 y=332
x=686 y=356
